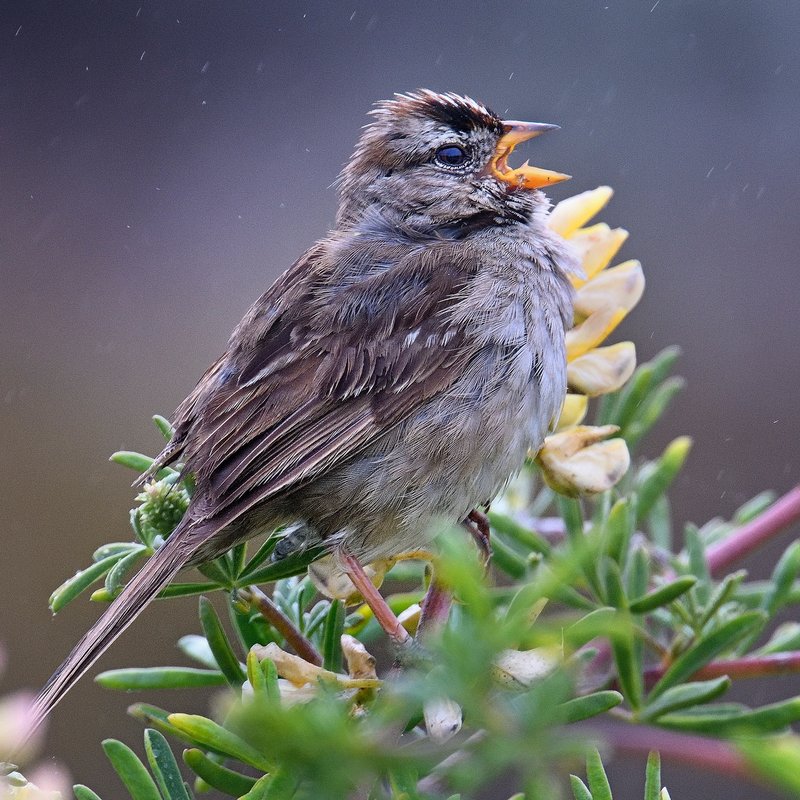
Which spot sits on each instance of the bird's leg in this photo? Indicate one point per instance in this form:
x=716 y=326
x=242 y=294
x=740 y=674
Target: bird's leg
x=372 y=597
x=477 y=523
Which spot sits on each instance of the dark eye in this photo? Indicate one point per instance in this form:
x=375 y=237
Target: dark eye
x=451 y=155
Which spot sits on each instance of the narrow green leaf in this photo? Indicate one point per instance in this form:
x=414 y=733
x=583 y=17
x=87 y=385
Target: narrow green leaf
x=753 y=508
x=196 y=647
x=631 y=396
x=162 y=763
x=220 y=647
x=653 y=409
x=212 y=736
x=256 y=676
x=505 y=558
x=579 y=790
x=117 y=574
x=139 y=462
x=617 y=530
x=629 y=668
x=595 y=623
x=590 y=705
x=262 y=554
x=164 y=427
x=785 y=637
x=659 y=523
x=331 y=636
x=82 y=792
x=271 y=686
x=570 y=511
x=637 y=575
x=698 y=565
x=663 y=595
x=614 y=590
x=767 y=719
x=652 y=781
x=723 y=592
x=660 y=479
x=707 y=648
x=294 y=564
x=596 y=775
x=237 y=556
x=158 y=718
x=185 y=590
x=529 y=540
x=131 y=771
x=783 y=576
x=685 y=696
x=215 y=572
x=114 y=549
x=216 y=775
x=775 y=760
x=73 y=586
x=260 y=790
x=137 y=678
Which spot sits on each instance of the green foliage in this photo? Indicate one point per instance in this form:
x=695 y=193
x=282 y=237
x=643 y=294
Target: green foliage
x=590 y=611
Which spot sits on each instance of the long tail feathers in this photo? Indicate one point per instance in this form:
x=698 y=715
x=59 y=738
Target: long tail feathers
x=139 y=592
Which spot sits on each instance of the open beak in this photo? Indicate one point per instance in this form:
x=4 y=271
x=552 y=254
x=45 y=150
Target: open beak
x=526 y=176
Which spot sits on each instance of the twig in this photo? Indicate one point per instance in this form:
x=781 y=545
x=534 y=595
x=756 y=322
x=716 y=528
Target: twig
x=296 y=640
x=685 y=748
x=746 y=667
x=782 y=513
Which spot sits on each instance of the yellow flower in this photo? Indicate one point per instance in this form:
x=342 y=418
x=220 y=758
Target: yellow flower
x=603 y=297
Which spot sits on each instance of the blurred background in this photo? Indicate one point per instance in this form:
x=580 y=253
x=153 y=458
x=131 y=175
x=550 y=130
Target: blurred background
x=162 y=162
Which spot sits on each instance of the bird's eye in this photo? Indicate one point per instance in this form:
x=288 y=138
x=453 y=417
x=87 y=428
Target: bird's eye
x=451 y=155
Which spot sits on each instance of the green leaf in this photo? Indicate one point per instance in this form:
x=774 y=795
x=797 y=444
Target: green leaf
x=784 y=638
x=114 y=549
x=164 y=767
x=331 y=636
x=271 y=686
x=527 y=539
x=771 y=718
x=590 y=705
x=685 y=696
x=73 y=586
x=216 y=775
x=131 y=771
x=82 y=792
x=214 y=571
x=579 y=790
x=663 y=595
x=185 y=589
x=617 y=530
x=505 y=558
x=653 y=409
x=595 y=623
x=262 y=554
x=783 y=577
x=137 y=678
x=294 y=564
x=116 y=575
x=570 y=511
x=164 y=427
x=637 y=577
x=220 y=647
x=698 y=565
x=652 y=781
x=774 y=759
x=707 y=648
x=723 y=592
x=596 y=775
x=660 y=478
x=214 y=737
x=139 y=462
x=659 y=523
x=155 y=717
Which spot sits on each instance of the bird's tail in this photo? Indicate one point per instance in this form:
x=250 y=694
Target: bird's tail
x=145 y=585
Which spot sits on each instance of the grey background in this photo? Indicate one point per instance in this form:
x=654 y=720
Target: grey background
x=161 y=163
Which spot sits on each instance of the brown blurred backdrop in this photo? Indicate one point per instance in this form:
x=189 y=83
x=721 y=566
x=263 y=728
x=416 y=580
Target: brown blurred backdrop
x=162 y=162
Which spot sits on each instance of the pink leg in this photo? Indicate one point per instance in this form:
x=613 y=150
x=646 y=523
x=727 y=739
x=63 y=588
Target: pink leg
x=477 y=523
x=435 y=608
x=373 y=598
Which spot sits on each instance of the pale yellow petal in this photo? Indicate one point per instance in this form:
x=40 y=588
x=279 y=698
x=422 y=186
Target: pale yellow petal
x=596 y=246
x=521 y=668
x=332 y=581
x=360 y=662
x=292 y=667
x=618 y=287
x=578 y=461
x=572 y=213
x=409 y=617
x=602 y=370
x=592 y=331
x=573 y=411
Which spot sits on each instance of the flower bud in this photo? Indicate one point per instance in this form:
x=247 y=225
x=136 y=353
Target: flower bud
x=578 y=461
x=163 y=506
x=332 y=581
x=602 y=370
x=442 y=719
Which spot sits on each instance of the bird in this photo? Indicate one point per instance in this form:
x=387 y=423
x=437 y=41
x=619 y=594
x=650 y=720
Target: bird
x=398 y=373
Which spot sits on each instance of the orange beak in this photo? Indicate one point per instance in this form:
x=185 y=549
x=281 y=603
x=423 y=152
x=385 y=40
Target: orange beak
x=526 y=176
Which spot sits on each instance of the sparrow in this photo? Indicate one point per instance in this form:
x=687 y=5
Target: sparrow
x=398 y=373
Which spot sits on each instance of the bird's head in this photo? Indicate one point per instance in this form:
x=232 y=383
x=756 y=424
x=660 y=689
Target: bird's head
x=438 y=159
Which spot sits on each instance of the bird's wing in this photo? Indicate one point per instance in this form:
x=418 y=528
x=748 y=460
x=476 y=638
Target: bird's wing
x=319 y=368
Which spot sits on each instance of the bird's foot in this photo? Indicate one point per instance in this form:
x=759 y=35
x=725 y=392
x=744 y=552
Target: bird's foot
x=477 y=523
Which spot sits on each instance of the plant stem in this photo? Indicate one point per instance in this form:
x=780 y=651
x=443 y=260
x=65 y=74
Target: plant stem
x=296 y=640
x=687 y=749
x=782 y=513
x=746 y=667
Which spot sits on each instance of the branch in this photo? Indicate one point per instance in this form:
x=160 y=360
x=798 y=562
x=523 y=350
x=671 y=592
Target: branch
x=781 y=514
x=746 y=667
x=299 y=643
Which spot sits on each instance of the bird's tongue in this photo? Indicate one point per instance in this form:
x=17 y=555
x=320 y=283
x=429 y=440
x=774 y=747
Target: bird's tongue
x=525 y=176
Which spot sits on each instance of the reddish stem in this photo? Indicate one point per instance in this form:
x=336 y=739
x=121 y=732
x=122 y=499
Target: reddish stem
x=746 y=667
x=687 y=749
x=782 y=513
